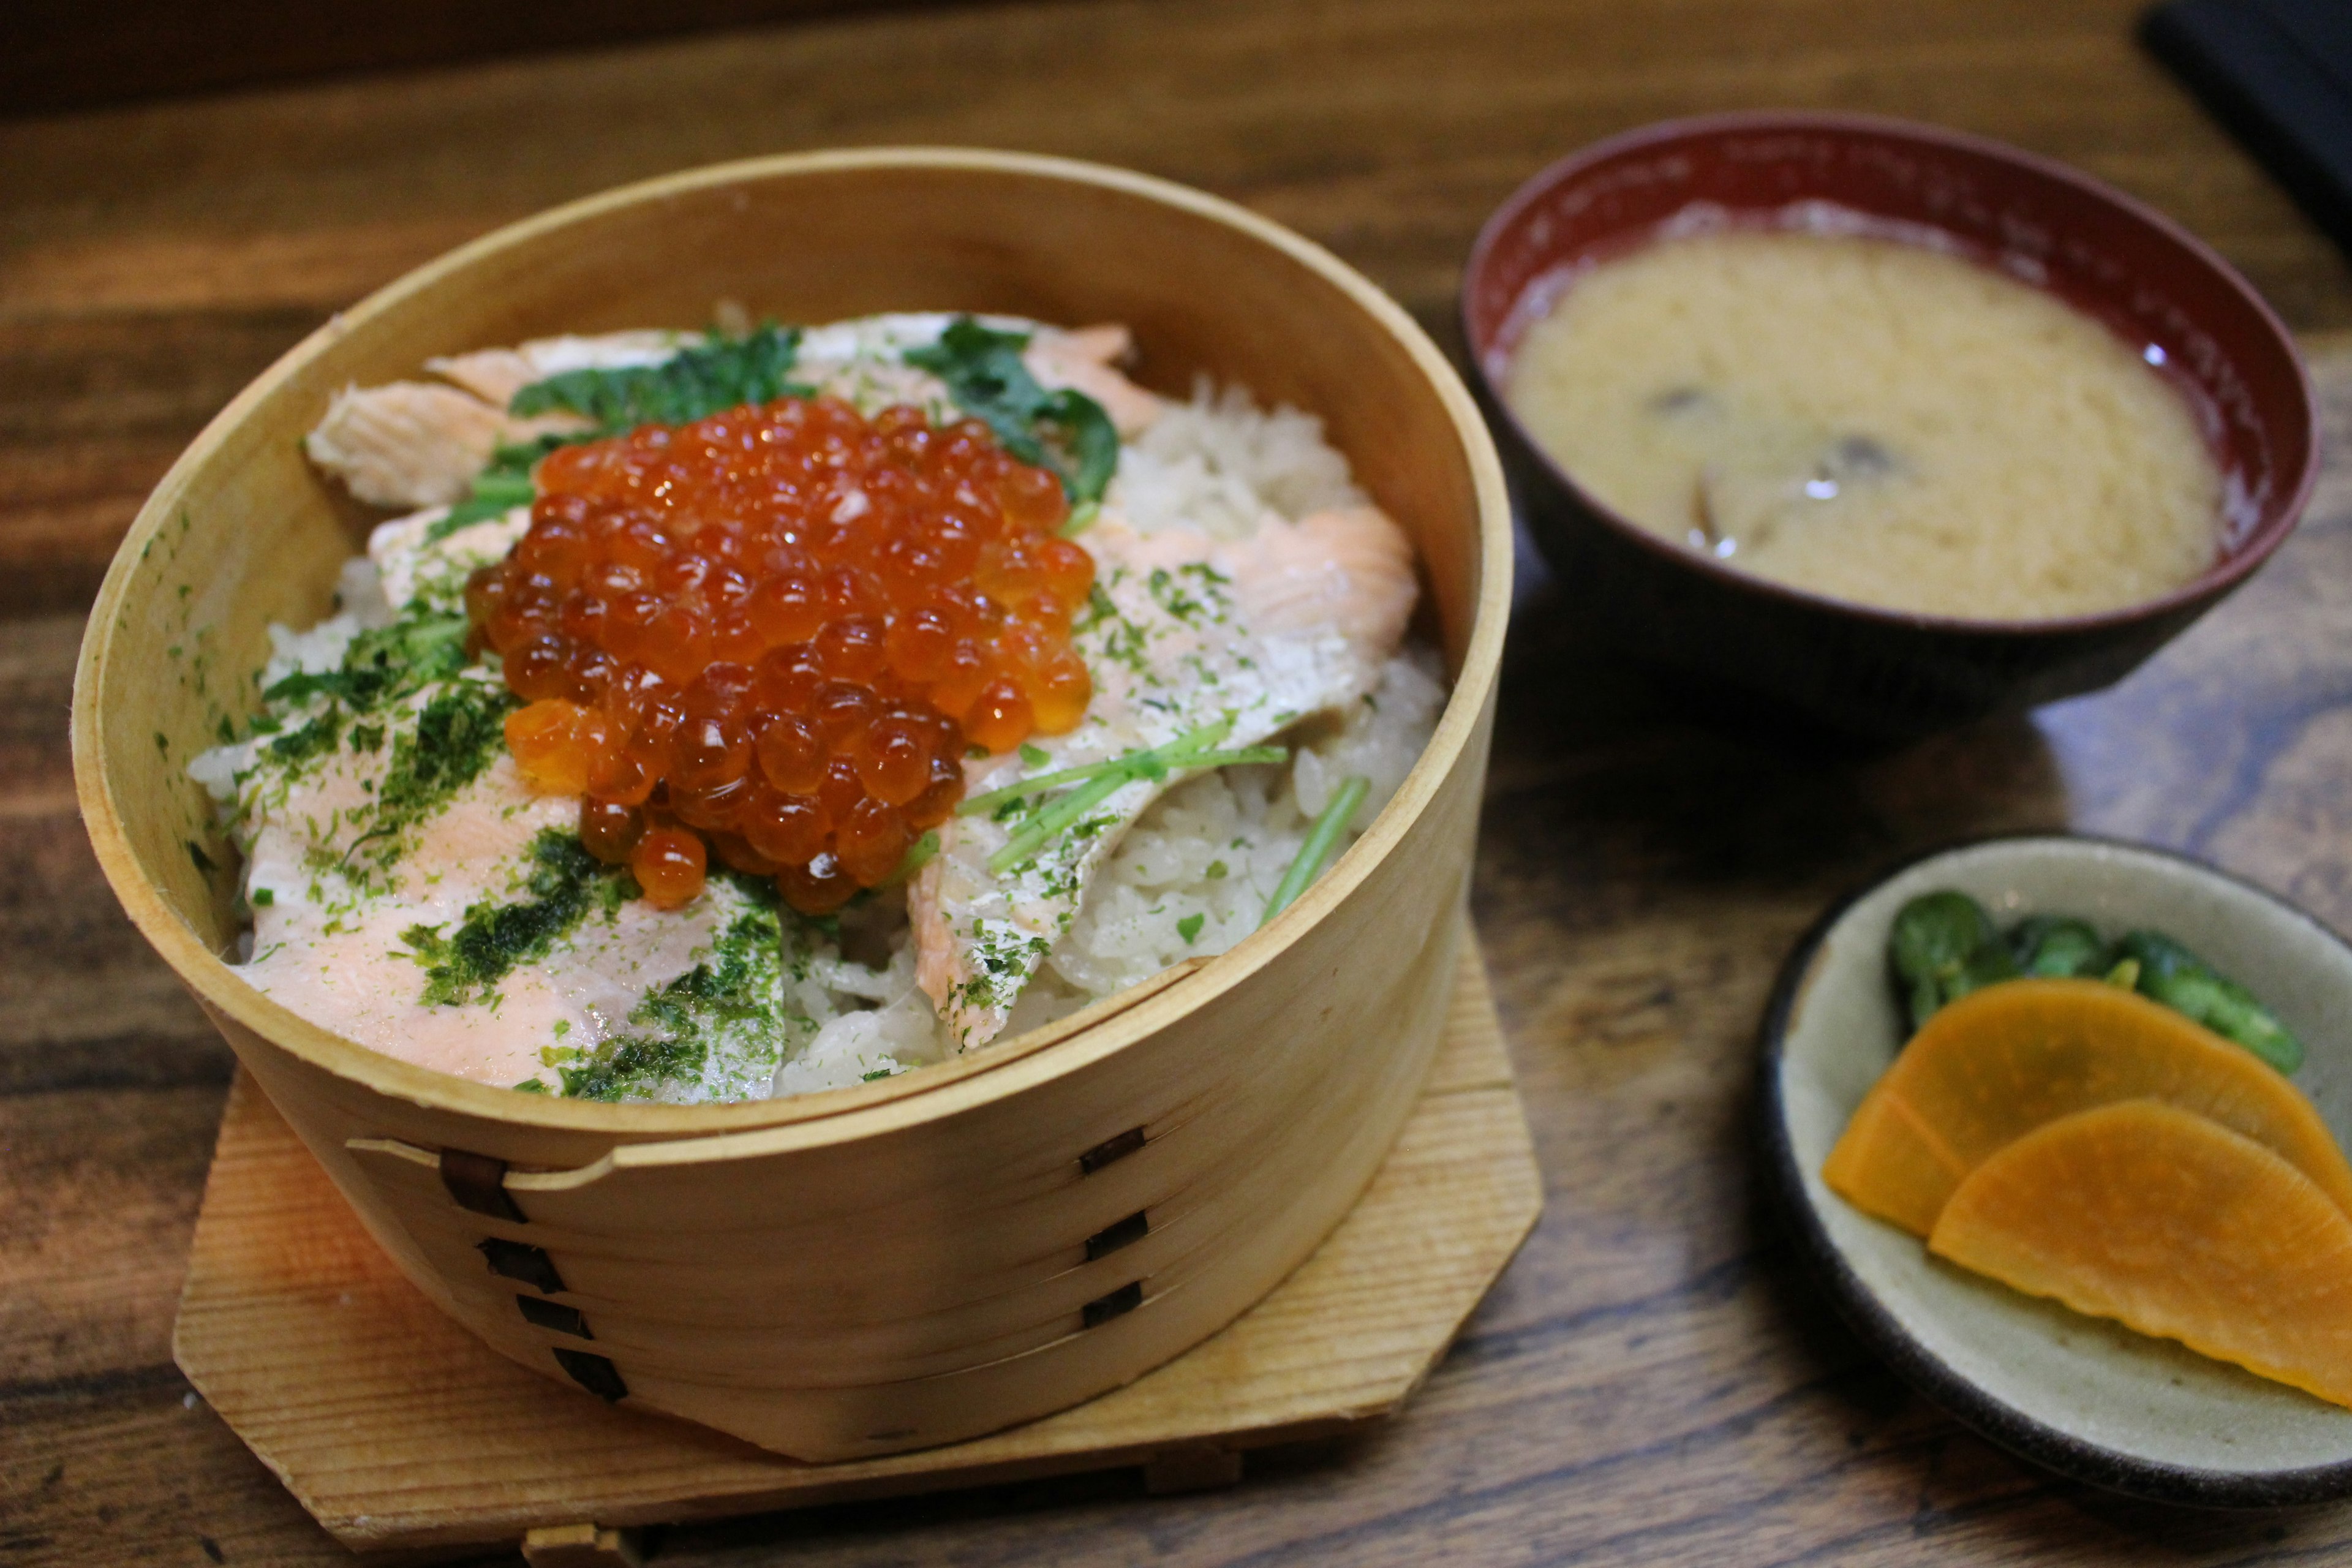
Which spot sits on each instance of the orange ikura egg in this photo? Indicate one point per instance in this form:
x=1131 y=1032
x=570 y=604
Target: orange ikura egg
x=767 y=636
x=668 y=863
x=557 y=744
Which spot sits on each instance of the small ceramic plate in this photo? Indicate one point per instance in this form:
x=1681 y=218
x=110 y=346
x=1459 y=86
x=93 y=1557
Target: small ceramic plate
x=2086 y=1397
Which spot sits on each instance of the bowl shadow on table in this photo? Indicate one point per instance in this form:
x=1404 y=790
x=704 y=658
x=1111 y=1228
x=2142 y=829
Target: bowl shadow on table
x=900 y=1522
x=1086 y=1517
x=1574 y=706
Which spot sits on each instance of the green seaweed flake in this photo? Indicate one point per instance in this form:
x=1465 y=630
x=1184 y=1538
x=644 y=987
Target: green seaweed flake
x=1100 y=608
x=384 y=664
x=1125 y=644
x=1001 y=967
x=458 y=734
x=724 y=1018
x=1171 y=596
x=319 y=736
x=564 y=883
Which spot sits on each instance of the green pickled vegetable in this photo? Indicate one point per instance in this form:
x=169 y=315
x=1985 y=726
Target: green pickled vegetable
x=1944 y=945
x=2057 y=947
x=2171 y=973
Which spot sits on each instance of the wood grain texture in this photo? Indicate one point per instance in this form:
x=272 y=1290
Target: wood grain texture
x=401 y=1432
x=1653 y=1382
x=77 y=56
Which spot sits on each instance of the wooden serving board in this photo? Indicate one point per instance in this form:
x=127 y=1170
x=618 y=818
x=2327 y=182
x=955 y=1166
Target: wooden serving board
x=401 y=1432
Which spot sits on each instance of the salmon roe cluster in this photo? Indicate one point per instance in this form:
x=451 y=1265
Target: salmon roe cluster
x=769 y=635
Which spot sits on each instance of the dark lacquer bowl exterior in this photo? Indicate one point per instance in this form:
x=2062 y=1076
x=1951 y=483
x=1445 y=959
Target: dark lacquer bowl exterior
x=1853 y=669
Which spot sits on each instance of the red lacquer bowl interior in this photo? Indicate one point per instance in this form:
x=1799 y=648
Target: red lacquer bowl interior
x=2164 y=292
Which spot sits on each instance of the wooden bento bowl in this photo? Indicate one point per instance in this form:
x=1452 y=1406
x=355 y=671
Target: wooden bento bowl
x=1783 y=655
x=927 y=1258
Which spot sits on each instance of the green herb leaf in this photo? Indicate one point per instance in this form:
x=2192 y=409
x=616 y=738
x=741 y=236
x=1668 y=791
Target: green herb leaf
x=1337 y=813
x=504 y=484
x=1035 y=756
x=719 y=374
x=1236 y=758
x=919 y=854
x=1096 y=781
x=1189 y=928
x=985 y=375
x=1149 y=762
x=1089 y=452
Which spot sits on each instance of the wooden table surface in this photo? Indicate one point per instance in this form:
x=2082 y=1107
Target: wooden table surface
x=1654 y=1381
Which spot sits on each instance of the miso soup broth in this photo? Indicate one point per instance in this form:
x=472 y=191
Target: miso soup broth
x=1874 y=421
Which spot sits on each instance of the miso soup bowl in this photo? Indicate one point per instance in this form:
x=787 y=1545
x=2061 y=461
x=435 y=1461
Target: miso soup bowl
x=937 y=1254
x=1780 y=653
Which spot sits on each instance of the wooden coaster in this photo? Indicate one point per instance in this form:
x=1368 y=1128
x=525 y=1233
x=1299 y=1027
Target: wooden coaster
x=399 y=1431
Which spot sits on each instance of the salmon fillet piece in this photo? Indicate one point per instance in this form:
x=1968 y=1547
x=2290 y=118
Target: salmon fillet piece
x=1255 y=633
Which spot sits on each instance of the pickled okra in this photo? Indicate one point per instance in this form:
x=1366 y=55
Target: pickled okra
x=1945 y=944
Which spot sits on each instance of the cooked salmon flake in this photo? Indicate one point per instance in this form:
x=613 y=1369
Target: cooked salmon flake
x=772 y=633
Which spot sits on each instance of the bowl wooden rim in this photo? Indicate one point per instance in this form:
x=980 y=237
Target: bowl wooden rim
x=963 y=1081
x=2216 y=580
x=2068 y=1452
